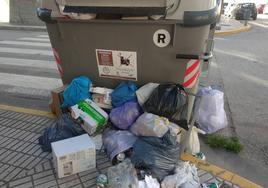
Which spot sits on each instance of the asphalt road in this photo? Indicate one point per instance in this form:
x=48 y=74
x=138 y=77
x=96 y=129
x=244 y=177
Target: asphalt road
x=28 y=73
x=240 y=67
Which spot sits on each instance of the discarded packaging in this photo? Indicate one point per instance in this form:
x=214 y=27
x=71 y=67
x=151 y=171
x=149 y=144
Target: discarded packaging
x=144 y=92
x=116 y=142
x=170 y=101
x=77 y=90
x=149 y=182
x=123 y=93
x=150 y=125
x=185 y=177
x=63 y=128
x=94 y=118
x=73 y=155
x=124 y=116
x=193 y=145
x=102 y=181
x=158 y=155
x=211 y=115
x=57 y=100
x=102 y=97
x=122 y=175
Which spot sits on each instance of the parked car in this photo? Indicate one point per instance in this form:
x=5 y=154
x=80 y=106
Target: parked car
x=265 y=9
x=243 y=7
x=260 y=8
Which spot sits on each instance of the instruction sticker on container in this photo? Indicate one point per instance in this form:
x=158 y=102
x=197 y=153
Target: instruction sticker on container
x=117 y=64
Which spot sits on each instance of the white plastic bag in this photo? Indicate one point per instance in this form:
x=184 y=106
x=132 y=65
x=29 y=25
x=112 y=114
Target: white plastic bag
x=149 y=182
x=193 y=145
x=210 y=111
x=150 y=125
x=185 y=177
x=145 y=91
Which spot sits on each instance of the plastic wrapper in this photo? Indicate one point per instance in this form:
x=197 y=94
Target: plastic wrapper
x=149 y=182
x=209 y=107
x=144 y=92
x=78 y=90
x=170 y=101
x=158 y=155
x=123 y=93
x=150 y=125
x=64 y=128
x=124 y=116
x=185 y=177
x=116 y=142
x=122 y=175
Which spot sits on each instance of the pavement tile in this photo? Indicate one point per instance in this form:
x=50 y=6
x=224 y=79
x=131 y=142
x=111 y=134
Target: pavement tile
x=90 y=183
x=44 y=179
x=20 y=181
x=67 y=179
x=42 y=174
x=12 y=174
x=70 y=184
x=25 y=185
x=47 y=184
x=205 y=178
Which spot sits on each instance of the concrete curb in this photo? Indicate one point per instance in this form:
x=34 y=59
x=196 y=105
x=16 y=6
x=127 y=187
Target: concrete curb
x=27 y=111
x=233 y=31
x=22 y=27
x=220 y=173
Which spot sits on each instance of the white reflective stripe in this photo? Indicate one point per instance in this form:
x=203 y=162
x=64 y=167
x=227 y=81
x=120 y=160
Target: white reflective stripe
x=26 y=51
x=259 y=24
x=190 y=75
x=28 y=63
x=35 y=39
x=27 y=81
x=42 y=36
x=190 y=63
x=193 y=83
x=24 y=43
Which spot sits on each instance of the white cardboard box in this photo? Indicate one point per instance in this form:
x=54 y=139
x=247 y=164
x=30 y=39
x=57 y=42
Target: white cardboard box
x=73 y=155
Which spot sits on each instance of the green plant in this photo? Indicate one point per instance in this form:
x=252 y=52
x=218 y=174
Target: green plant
x=219 y=141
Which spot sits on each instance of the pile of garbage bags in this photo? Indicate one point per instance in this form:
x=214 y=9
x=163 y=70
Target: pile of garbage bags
x=140 y=128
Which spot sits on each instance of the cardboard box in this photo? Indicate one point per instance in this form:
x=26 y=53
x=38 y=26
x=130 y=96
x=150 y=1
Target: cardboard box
x=57 y=100
x=73 y=155
x=93 y=117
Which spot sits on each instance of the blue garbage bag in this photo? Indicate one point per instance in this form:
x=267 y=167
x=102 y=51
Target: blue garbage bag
x=78 y=90
x=63 y=128
x=126 y=91
x=124 y=116
x=117 y=141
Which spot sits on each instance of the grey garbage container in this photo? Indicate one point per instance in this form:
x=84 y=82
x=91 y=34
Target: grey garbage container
x=111 y=50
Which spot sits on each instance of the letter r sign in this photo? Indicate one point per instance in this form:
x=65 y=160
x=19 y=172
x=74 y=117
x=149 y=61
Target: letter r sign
x=161 y=38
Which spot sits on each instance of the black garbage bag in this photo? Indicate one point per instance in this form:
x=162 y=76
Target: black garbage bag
x=157 y=155
x=171 y=101
x=63 y=128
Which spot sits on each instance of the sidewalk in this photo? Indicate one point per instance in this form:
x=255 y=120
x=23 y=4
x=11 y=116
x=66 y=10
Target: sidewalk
x=231 y=26
x=23 y=164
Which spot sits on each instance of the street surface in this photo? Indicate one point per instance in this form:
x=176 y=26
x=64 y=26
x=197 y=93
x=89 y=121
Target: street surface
x=27 y=69
x=28 y=73
x=240 y=67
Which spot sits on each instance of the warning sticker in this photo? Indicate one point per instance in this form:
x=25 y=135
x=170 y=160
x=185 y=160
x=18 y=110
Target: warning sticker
x=117 y=64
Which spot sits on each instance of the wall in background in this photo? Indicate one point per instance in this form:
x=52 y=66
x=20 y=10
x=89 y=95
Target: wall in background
x=4 y=10
x=24 y=12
